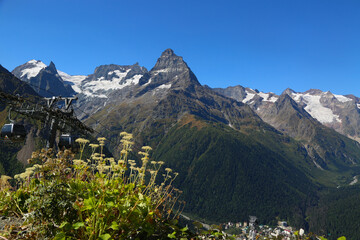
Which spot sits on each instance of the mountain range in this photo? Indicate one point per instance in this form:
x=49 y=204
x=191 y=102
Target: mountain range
x=112 y=82
x=238 y=151
x=340 y=112
x=299 y=115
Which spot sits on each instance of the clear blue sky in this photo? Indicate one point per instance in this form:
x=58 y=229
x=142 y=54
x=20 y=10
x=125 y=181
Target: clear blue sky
x=265 y=44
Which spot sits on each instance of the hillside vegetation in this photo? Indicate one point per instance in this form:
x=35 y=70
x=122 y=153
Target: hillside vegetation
x=244 y=178
x=337 y=213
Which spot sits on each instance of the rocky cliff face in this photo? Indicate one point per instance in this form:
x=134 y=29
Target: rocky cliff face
x=287 y=116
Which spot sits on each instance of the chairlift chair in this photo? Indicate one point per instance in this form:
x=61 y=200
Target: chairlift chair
x=67 y=141
x=13 y=132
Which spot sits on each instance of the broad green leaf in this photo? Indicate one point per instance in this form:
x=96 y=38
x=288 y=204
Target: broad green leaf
x=172 y=236
x=110 y=204
x=105 y=236
x=114 y=225
x=60 y=236
x=89 y=204
x=78 y=225
x=342 y=238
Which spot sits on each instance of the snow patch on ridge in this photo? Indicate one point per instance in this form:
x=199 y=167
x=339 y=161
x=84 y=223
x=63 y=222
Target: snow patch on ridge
x=164 y=86
x=342 y=98
x=354 y=181
x=107 y=84
x=315 y=109
x=34 y=70
x=266 y=97
x=135 y=79
x=161 y=70
x=33 y=61
x=103 y=84
x=120 y=75
x=248 y=97
x=148 y=82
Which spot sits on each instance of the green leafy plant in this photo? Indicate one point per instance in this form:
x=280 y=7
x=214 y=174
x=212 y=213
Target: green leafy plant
x=61 y=197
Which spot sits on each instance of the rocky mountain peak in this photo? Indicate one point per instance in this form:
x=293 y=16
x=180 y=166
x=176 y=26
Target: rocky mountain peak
x=284 y=97
x=314 y=92
x=170 y=71
x=111 y=71
x=286 y=102
x=288 y=91
x=34 y=63
x=28 y=70
x=103 y=70
x=51 y=68
x=47 y=82
x=170 y=61
x=51 y=65
x=168 y=52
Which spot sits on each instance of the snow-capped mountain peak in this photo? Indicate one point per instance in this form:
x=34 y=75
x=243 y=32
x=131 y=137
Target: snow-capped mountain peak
x=111 y=81
x=109 y=78
x=31 y=69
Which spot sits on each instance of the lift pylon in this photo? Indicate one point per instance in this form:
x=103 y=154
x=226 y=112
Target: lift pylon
x=56 y=114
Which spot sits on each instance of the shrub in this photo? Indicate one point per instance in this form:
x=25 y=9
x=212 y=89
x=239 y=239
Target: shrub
x=61 y=197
